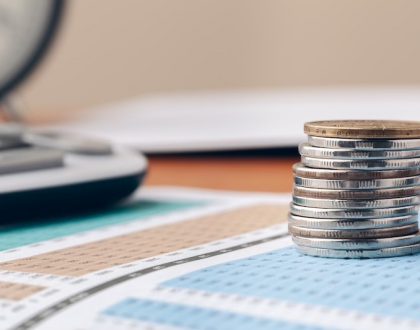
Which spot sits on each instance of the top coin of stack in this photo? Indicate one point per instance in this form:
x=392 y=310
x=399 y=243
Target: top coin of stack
x=356 y=189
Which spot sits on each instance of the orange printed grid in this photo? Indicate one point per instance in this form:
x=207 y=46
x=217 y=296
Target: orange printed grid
x=17 y=291
x=87 y=258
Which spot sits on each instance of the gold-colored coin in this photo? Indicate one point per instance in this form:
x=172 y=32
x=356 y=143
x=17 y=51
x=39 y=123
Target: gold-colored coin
x=364 y=129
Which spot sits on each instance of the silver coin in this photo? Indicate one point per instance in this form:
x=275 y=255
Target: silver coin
x=354 y=233
x=334 y=174
x=364 y=144
x=361 y=244
x=355 y=204
x=360 y=254
x=374 y=164
x=314 y=212
x=343 y=223
x=356 y=194
x=68 y=143
x=357 y=184
x=310 y=151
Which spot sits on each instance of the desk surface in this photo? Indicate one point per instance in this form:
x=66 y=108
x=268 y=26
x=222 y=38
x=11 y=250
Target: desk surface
x=272 y=174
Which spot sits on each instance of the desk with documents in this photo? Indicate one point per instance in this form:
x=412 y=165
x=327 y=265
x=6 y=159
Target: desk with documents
x=176 y=258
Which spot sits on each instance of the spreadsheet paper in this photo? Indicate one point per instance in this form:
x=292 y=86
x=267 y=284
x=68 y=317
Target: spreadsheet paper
x=176 y=258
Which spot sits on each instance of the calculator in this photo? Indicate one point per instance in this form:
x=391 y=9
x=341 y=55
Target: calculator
x=42 y=173
x=49 y=173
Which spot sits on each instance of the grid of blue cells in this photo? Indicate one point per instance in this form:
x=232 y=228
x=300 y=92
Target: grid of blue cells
x=388 y=286
x=187 y=317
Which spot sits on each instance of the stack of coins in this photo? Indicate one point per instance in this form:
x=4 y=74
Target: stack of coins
x=356 y=189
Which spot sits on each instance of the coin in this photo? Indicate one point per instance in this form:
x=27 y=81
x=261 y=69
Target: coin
x=351 y=244
x=357 y=188
x=342 y=223
x=364 y=129
x=359 y=164
x=357 y=184
x=373 y=194
x=345 y=174
x=353 y=233
x=355 y=204
x=364 y=144
x=359 y=254
x=316 y=152
x=314 y=212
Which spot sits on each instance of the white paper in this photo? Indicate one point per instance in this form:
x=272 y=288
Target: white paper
x=254 y=279
x=214 y=121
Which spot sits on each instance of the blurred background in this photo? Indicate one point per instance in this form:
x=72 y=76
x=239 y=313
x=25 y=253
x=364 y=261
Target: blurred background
x=109 y=51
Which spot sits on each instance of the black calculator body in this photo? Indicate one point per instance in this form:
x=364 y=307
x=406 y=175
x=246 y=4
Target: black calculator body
x=49 y=174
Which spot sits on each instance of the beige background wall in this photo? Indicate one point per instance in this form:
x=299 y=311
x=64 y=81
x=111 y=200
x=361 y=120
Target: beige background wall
x=110 y=50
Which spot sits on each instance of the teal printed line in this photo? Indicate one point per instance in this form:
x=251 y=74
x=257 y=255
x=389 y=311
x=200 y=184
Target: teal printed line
x=17 y=236
x=197 y=318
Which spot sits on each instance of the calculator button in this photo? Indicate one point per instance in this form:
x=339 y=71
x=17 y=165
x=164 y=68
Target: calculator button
x=68 y=143
x=11 y=136
x=11 y=131
x=11 y=144
x=29 y=159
